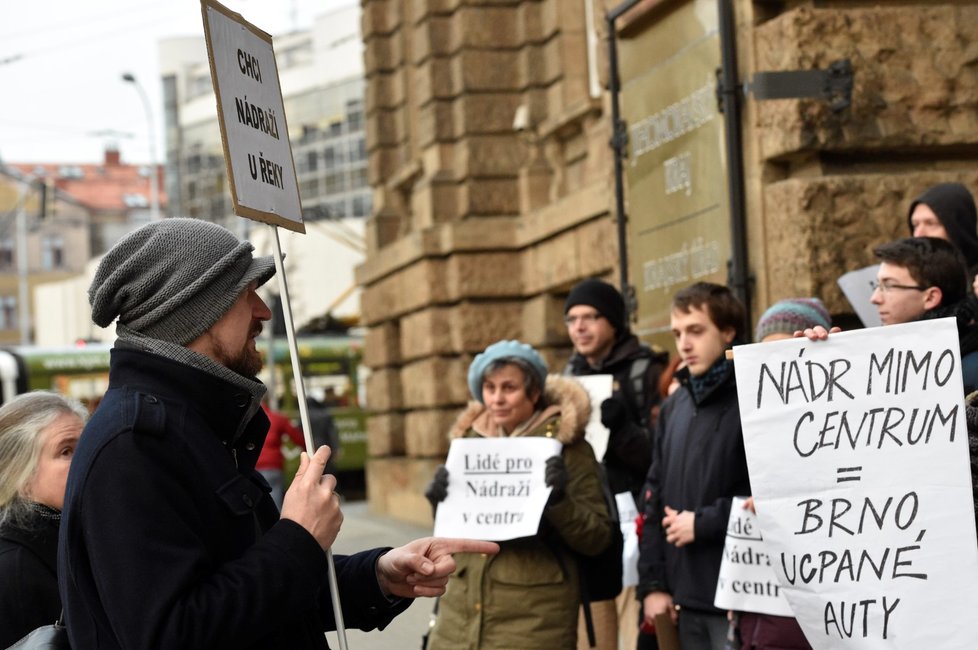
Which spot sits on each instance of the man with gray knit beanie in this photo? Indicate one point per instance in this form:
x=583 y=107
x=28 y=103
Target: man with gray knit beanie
x=169 y=538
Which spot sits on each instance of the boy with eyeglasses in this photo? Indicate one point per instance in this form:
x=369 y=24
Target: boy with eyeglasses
x=921 y=278
x=594 y=313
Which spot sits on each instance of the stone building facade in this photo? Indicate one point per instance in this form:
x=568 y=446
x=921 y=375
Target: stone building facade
x=488 y=128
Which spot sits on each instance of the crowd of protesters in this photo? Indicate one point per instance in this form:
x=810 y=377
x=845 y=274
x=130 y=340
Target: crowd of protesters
x=168 y=530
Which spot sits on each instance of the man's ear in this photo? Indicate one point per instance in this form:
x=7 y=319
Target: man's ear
x=932 y=297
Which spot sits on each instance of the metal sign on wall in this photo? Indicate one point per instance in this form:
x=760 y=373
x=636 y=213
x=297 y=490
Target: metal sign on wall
x=257 y=150
x=675 y=169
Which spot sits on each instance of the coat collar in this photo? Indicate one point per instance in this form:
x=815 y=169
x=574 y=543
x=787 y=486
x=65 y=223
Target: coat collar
x=228 y=410
x=39 y=536
x=565 y=397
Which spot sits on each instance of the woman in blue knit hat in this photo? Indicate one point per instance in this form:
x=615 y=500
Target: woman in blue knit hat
x=527 y=596
x=780 y=321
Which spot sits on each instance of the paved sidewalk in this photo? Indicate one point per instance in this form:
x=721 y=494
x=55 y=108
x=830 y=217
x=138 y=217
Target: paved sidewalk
x=362 y=530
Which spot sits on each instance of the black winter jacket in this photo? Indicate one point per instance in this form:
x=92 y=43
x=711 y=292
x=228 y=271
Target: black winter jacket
x=698 y=464
x=629 y=452
x=29 y=584
x=169 y=538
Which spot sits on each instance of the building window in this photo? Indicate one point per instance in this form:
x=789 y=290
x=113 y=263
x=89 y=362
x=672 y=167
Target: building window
x=52 y=252
x=361 y=206
x=7 y=248
x=8 y=313
x=334 y=182
x=358 y=178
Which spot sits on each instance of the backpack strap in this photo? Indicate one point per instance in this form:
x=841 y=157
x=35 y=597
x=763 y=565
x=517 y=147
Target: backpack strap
x=636 y=380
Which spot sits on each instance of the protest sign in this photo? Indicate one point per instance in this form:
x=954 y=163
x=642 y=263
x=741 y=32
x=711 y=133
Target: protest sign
x=257 y=150
x=858 y=454
x=496 y=488
x=858 y=287
x=747 y=581
x=627 y=512
x=598 y=389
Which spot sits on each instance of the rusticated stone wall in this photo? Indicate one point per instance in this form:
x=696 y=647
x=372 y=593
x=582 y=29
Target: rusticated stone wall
x=479 y=230
x=827 y=187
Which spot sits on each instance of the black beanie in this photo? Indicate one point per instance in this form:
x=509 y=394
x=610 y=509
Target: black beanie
x=955 y=207
x=603 y=297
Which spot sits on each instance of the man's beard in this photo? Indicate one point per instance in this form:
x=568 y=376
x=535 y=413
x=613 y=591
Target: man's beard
x=245 y=362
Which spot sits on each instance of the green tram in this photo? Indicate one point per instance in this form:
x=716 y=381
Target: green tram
x=330 y=367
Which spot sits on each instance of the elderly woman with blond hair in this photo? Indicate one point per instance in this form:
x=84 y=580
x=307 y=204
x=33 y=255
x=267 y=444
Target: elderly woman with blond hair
x=38 y=435
x=528 y=595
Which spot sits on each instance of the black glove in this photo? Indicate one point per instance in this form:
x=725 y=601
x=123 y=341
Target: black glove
x=555 y=476
x=613 y=413
x=437 y=490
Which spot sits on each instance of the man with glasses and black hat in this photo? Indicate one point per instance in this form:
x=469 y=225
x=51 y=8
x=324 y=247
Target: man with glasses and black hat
x=169 y=538
x=594 y=313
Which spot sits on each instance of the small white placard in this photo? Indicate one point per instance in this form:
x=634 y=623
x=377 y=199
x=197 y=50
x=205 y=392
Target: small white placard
x=251 y=114
x=858 y=287
x=496 y=488
x=747 y=580
x=599 y=388
x=627 y=512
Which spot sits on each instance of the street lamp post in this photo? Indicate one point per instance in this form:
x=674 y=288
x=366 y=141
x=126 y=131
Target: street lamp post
x=154 y=177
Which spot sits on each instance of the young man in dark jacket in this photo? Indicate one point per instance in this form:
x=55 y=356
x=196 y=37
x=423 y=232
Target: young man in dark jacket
x=604 y=345
x=698 y=466
x=169 y=538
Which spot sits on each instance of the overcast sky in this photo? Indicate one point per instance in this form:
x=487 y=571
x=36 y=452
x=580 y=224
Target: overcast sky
x=61 y=64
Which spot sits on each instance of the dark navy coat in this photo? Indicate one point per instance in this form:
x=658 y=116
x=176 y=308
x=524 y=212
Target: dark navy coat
x=169 y=538
x=28 y=578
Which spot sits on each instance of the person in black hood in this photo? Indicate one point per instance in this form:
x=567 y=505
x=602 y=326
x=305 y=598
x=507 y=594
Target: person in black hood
x=947 y=211
x=604 y=345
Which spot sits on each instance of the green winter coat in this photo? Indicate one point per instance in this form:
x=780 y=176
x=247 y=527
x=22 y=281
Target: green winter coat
x=526 y=597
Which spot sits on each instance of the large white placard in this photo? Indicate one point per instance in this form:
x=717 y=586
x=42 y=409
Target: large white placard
x=257 y=150
x=599 y=388
x=496 y=488
x=858 y=455
x=747 y=582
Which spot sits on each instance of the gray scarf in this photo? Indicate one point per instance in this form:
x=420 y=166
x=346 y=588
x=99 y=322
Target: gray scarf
x=135 y=340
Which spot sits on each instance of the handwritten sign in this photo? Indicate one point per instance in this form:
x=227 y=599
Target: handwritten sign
x=599 y=388
x=747 y=581
x=496 y=488
x=251 y=113
x=858 y=456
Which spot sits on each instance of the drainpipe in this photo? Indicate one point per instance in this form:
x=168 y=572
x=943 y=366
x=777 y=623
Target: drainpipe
x=738 y=277
x=619 y=140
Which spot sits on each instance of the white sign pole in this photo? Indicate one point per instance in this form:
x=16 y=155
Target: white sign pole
x=858 y=456
x=300 y=391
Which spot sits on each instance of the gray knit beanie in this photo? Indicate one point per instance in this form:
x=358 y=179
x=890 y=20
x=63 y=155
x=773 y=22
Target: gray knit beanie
x=172 y=279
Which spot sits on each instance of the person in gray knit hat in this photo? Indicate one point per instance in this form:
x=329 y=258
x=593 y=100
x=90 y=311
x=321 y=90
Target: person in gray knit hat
x=169 y=538
x=173 y=279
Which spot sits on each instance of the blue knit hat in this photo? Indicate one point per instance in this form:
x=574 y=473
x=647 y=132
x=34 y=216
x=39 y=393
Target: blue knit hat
x=504 y=350
x=787 y=316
